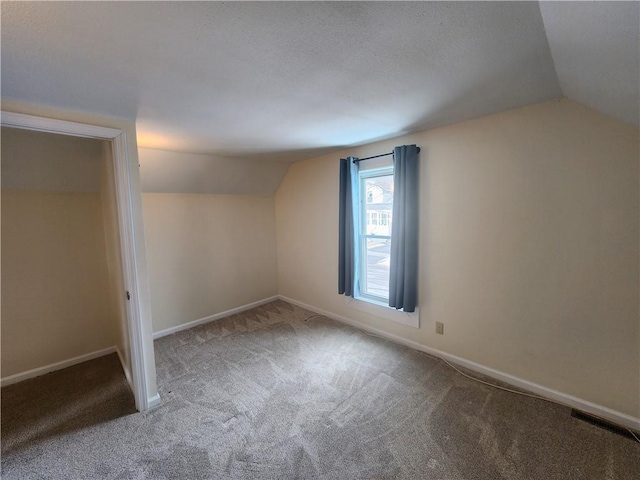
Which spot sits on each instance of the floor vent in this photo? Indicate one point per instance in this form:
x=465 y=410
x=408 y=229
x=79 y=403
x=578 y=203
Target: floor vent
x=599 y=422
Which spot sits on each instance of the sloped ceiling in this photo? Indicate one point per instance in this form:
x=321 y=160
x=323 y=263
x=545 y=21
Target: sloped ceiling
x=163 y=171
x=284 y=81
x=48 y=162
x=596 y=50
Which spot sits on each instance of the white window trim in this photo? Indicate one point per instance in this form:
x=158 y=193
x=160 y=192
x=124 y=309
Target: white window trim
x=379 y=309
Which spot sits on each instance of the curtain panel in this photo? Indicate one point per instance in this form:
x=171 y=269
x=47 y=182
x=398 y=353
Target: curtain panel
x=403 y=276
x=347 y=253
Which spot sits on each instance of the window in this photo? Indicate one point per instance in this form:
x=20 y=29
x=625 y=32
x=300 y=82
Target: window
x=374 y=233
x=366 y=221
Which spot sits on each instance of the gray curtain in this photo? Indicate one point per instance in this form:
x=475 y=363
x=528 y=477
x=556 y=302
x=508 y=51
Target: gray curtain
x=403 y=279
x=347 y=264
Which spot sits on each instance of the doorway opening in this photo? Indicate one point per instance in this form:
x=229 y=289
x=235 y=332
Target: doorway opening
x=122 y=248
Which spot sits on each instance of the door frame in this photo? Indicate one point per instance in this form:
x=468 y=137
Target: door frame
x=118 y=139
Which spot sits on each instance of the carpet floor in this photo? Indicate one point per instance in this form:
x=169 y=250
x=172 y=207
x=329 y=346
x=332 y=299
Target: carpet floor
x=278 y=392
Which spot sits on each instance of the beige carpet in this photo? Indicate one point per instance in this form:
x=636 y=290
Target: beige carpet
x=277 y=393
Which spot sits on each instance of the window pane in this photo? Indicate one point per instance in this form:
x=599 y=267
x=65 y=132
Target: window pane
x=376 y=267
x=376 y=208
x=379 y=195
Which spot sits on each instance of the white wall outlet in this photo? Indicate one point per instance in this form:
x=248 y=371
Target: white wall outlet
x=440 y=328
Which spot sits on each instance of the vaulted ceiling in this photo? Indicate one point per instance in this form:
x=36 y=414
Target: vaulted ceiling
x=596 y=50
x=290 y=80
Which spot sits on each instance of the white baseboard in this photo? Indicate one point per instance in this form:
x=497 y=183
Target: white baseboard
x=125 y=368
x=36 y=372
x=559 y=397
x=211 y=318
x=153 y=401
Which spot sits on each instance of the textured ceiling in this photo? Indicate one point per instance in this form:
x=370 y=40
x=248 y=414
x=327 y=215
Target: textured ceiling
x=272 y=80
x=596 y=50
x=290 y=80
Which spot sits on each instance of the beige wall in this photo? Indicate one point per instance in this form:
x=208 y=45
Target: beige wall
x=55 y=296
x=54 y=280
x=208 y=254
x=528 y=246
x=117 y=299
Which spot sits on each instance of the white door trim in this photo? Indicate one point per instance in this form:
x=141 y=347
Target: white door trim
x=118 y=139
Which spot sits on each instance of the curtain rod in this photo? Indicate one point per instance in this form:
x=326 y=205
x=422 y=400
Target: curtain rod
x=376 y=156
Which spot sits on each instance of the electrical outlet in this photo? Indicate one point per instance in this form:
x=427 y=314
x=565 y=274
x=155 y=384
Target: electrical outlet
x=440 y=328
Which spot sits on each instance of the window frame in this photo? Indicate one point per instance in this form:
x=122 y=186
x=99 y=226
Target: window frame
x=361 y=245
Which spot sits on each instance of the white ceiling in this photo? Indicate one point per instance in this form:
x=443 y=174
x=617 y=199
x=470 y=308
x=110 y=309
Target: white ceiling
x=290 y=80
